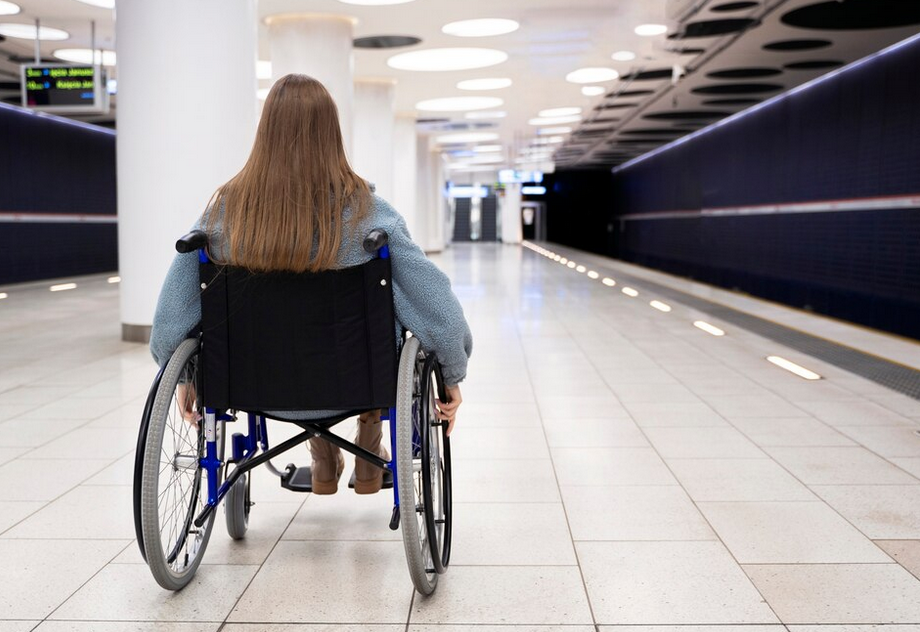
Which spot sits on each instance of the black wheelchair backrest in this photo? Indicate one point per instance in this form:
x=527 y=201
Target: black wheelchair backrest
x=284 y=341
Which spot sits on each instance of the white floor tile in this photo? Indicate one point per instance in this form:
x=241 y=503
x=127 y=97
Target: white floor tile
x=859 y=413
x=699 y=582
x=887 y=441
x=656 y=414
x=26 y=479
x=839 y=593
x=514 y=481
x=789 y=533
x=124 y=626
x=610 y=466
x=839 y=466
x=738 y=480
x=474 y=595
x=498 y=534
x=40 y=575
x=702 y=443
x=790 y=432
x=633 y=513
x=128 y=592
x=344 y=515
x=593 y=433
x=882 y=512
x=91 y=513
x=342 y=582
x=510 y=443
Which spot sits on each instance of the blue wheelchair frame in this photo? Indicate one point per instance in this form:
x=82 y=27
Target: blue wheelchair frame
x=244 y=448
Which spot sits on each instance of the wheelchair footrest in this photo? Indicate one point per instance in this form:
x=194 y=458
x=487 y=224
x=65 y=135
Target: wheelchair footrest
x=297 y=479
x=387 y=479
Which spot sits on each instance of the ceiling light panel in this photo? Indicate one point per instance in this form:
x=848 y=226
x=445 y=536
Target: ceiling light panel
x=650 y=30
x=469 y=137
x=496 y=83
x=458 y=104
x=86 y=56
x=447 y=59
x=552 y=131
x=263 y=69
x=105 y=4
x=593 y=91
x=556 y=120
x=555 y=112
x=484 y=149
x=375 y=3
x=480 y=28
x=27 y=31
x=493 y=114
x=592 y=75
x=8 y=8
x=623 y=55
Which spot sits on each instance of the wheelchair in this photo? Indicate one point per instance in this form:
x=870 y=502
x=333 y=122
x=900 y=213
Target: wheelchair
x=269 y=345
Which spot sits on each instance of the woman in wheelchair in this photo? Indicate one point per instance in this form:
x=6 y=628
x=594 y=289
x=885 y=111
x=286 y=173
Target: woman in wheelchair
x=297 y=230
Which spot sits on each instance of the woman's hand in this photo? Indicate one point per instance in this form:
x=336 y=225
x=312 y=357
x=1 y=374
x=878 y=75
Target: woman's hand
x=186 y=398
x=447 y=411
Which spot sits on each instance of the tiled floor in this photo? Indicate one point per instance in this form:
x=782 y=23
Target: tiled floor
x=616 y=469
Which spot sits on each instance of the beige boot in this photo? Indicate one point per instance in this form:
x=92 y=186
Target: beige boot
x=328 y=465
x=368 y=477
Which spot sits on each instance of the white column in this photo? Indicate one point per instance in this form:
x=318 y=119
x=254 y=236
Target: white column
x=437 y=226
x=405 y=170
x=423 y=186
x=178 y=140
x=512 y=231
x=373 y=133
x=319 y=46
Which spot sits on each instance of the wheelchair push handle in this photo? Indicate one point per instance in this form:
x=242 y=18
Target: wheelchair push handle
x=375 y=240
x=192 y=241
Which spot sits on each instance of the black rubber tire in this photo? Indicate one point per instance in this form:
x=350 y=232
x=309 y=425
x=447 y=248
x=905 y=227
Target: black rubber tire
x=236 y=507
x=436 y=478
x=174 y=564
x=408 y=478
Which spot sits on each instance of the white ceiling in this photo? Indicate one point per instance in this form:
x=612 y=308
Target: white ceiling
x=555 y=38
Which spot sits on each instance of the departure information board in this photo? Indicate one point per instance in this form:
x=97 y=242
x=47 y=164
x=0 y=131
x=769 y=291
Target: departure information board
x=64 y=88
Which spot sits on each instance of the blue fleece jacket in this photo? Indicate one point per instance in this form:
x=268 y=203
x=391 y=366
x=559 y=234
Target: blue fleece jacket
x=423 y=300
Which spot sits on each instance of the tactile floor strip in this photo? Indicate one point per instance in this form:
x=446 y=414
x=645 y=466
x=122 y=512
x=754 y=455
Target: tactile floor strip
x=895 y=376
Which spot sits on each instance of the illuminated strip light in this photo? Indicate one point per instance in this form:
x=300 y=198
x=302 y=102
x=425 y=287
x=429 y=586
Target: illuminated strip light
x=592 y=274
x=557 y=258
x=661 y=307
x=114 y=279
x=769 y=102
x=608 y=282
x=563 y=261
x=825 y=206
x=581 y=269
x=3 y=295
x=792 y=367
x=571 y=264
x=57 y=119
x=62 y=287
x=709 y=329
x=628 y=291
x=56 y=218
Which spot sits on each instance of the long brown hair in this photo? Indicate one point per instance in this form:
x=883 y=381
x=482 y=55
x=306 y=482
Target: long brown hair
x=285 y=209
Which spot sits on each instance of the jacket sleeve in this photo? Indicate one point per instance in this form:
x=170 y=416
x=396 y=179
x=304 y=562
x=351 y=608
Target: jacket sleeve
x=426 y=305
x=178 y=308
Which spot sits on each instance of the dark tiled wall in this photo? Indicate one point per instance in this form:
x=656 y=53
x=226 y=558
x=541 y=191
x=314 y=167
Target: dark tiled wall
x=51 y=167
x=853 y=137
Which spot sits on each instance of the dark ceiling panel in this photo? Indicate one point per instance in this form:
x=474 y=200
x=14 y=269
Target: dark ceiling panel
x=854 y=15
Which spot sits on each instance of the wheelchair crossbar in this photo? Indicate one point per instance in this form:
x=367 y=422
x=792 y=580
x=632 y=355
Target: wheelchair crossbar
x=254 y=461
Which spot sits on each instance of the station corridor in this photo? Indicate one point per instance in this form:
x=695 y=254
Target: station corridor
x=615 y=468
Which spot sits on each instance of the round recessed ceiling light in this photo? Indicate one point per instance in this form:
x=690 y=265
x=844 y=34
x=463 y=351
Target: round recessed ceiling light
x=27 y=31
x=375 y=3
x=445 y=59
x=480 y=28
x=466 y=137
x=458 y=104
x=485 y=84
x=623 y=55
x=494 y=114
x=556 y=120
x=555 y=112
x=263 y=69
x=554 y=130
x=593 y=91
x=8 y=8
x=592 y=75
x=648 y=30
x=105 y=4
x=86 y=56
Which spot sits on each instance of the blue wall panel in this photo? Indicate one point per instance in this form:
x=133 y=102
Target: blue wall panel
x=48 y=166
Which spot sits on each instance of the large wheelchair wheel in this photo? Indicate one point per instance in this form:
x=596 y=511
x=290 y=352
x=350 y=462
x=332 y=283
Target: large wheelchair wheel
x=173 y=485
x=423 y=469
